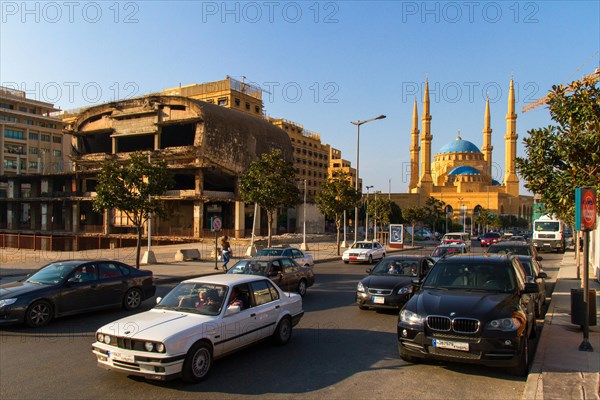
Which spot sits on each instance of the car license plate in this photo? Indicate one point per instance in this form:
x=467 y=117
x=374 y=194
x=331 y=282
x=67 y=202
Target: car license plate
x=447 y=344
x=352 y=257
x=378 y=300
x=130 y=358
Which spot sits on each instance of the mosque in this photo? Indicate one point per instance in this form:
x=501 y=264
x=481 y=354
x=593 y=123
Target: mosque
x=463 y=176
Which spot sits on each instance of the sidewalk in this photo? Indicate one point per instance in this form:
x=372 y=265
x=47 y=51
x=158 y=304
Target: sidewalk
x=559 y=370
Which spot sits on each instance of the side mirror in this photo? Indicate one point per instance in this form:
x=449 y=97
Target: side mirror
x=158 y=300
x=542 y=275
x=368 y=271
x=530 y=287
x=416 y=282
x=232 y=310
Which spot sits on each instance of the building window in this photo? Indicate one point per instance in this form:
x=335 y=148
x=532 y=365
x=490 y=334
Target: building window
x=13 y=149
x=28 y=122
x=247 y=106
x=222 y=101
x=10 y=164
x=45 y=138
x=33 y=136
x=56 y=139
x=237 y=102
x=7 y=106
x=257 y=109
x=9 y=119
x=34 y=150
x=211 y=101
x=33 y=164
x=56 y=153
x=32 y=110
x=13 y=134
x=23 y=109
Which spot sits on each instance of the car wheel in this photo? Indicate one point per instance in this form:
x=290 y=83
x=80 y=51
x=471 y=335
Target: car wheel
x=346 y=262
x=38 y=314
x=522 y=368
x=302 y=287
x=132 y=299
x=197 y=363
x=370 y=259
x=283 y=332
x=363 y=307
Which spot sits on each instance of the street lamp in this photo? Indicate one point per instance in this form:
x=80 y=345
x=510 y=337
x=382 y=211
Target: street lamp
x=358 y=124
x=303 y=246
x=367 y=214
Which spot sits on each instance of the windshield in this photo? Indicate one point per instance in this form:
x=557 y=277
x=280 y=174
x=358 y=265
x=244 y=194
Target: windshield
x=360 y=245
x=491 y=235
x=551 y=226
x=250 y=267
x=486 y=277
x=269 y=253
x=452 y=237
x=197 y=298
x=397 y=267
x=518 y=250
x=52 y=274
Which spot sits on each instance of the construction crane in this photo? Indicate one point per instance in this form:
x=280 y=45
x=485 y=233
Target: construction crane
x=594 y=76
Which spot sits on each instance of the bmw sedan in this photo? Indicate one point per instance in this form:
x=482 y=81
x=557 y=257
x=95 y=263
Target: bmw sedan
x=364 y=252
x=390 y=283
x=200 y=320
x=72 y=287
x=472 y=309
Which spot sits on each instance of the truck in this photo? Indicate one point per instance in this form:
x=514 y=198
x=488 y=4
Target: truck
x=549 y=233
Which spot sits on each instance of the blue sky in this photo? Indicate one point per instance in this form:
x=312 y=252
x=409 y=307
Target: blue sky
x=322 y=64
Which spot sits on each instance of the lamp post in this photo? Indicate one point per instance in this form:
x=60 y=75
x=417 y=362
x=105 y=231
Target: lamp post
x=358 y=124
x=303 y=246
x=149 y=257
x=367 y=214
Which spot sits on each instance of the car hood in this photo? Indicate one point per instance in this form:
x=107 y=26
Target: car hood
x=479 y=305
x=156 y=324
x=14 y=289
x=388 y=281
x=357 y=251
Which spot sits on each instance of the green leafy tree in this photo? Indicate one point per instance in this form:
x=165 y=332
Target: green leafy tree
x=270 y=182
x=133 y=187
x=380 y=210
x=563 y=157
x=414 y=215
x=335 y=196
x=485 y=218
x=434 y=211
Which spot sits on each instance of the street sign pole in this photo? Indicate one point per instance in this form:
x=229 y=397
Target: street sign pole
x=215 y=226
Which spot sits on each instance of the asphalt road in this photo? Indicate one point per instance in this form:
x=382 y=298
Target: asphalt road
x=337 y=351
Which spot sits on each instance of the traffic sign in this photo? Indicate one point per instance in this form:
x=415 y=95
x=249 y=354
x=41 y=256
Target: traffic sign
x=215 y=224
x=585 y=208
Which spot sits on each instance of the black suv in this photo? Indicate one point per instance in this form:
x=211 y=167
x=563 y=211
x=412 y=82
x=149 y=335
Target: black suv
x=474 y=309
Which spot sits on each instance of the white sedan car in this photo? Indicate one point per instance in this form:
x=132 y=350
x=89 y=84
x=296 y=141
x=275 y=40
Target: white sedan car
x=364 y=252
x=200 y=320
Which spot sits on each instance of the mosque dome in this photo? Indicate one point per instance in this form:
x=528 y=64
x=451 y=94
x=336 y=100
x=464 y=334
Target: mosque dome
x=459 y=146
x=464 y=170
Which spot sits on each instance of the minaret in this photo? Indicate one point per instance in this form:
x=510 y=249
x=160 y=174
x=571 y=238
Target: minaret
x=414 y=151
x=426 y=180
x=511 y=181
x=487 y=139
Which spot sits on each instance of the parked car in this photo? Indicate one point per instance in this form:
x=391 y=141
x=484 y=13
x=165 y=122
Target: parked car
x=181 y=339
x=364 y=252
x=286 y=273
x=473 y=309
x=490 y=238
x=444 y=250
x=517 y=248
x=517 y=238
x=390 y=283
x=535 y=273
x=297 y=255
x=71 y=287
x=458 y=237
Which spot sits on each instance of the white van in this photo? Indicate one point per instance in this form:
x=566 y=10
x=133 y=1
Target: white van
x=458 y=237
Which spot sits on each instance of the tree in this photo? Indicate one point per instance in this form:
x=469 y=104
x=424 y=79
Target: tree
x=414 y=215
x=485 y=218
x=132 y=187
x=434 y=211
x=566 y=156
x=270 y=183
x=380 y=210
x=335 y=196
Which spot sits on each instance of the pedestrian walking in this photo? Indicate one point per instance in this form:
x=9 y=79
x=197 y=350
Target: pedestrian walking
x=226 y=252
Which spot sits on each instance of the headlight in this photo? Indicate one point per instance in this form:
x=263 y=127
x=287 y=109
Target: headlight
x=411 y=318
x=106 y=339
x=7 y=302
x=100 y=337
x=504 y=324
x=360 y=287
x=160 y=347
x=149 y=346
x=405 y=290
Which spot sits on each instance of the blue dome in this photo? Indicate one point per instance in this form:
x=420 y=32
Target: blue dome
x=496 y=183
x=459 y=146
x=464 y=170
